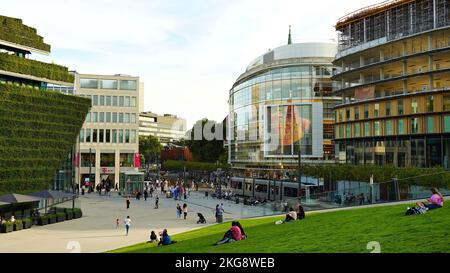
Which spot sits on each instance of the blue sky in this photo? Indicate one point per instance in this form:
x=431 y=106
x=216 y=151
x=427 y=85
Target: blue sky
x=187 y=53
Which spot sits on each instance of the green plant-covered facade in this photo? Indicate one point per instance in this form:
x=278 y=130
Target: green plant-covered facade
x=38 y=128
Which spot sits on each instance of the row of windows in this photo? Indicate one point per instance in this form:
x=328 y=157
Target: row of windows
x=110 y=117
x=305 y=71
x=376 y=112
x=108 y=84
x=403 y=126
x=121 y=101
x=107 y=160
x=107 y=136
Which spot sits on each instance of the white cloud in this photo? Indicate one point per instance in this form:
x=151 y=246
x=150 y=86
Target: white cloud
x=188 y=53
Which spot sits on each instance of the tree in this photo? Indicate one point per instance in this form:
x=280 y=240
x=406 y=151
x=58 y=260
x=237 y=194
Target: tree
x=206 y=150
x=149 y=147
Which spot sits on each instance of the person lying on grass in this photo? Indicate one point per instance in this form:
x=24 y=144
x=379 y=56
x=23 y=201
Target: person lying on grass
x=435 y=201
x=166 y=240
x=233 y=234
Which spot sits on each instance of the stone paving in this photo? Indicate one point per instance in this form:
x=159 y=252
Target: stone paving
x=96 y=230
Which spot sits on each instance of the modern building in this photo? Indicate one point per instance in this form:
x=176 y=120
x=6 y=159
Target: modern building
x=282 y=106
x=38 y=127
x=167 y=128
x=109 y=142
x=394 y=77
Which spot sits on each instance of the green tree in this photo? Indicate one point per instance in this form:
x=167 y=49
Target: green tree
x=206 y=150
x=149 y=147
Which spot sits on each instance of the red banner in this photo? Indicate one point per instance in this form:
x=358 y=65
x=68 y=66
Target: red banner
x=137 y=162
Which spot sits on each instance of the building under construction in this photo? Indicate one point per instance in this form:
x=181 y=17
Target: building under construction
x=394 y=79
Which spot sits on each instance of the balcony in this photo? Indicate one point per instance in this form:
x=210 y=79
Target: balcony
x=13 y=63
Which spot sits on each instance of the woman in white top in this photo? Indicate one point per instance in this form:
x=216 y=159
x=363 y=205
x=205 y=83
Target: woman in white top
x=127 y=222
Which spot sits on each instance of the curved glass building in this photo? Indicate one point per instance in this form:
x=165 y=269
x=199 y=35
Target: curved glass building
x=282 y=105
x=394 y=77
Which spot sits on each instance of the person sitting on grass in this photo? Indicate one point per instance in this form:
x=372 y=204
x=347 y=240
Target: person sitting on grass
x=233 y=234
x=243 y=235
x=166 y=240
x=153 y=237
x=435 y=201
x=291 y=216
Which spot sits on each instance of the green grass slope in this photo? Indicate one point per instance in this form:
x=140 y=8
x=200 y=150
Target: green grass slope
x=329 y=232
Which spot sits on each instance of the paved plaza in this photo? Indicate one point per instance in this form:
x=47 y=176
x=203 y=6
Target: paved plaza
x=96 y=230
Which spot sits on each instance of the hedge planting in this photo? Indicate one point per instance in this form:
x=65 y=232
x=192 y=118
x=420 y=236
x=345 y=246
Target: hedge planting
x=6 y=227
x=18 y=225
x=13 y=30
x=37 y=130
x=13 y=63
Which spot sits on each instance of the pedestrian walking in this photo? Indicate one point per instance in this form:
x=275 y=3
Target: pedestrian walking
x=127 y=223
x=157 y=202
x=219 y=214
x=151 y=191
x=117 y=223
x=185 y=210
x=128 y=202
x=145 y=195
x=179 y=211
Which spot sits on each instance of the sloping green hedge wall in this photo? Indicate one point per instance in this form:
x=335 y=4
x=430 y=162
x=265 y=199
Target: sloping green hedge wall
x=37 y=129
x=24 y=66
x=14 y=31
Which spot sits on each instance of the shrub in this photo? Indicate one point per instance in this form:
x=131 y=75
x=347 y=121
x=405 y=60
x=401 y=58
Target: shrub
x=27 y=223
x=7 y=227
x=18 y=225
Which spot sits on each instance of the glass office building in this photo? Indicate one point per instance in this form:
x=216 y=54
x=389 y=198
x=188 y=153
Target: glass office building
x=282 y=105
x=394 y=77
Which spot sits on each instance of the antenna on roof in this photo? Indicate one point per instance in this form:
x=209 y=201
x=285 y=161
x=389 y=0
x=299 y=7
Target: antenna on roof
x=289 y=37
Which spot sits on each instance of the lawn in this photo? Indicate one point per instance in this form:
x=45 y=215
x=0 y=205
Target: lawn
x=329 y=232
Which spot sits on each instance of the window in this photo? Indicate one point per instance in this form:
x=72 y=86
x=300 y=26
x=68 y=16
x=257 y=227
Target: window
x=114 y=136
x=108 y=100
x=347 y=114
x=133 y=101
x=430 y=125
x=114 y=117
x=128 y=85
x=414 y=106
x=114 y=102
x=102 y=117
x=357 y=130
x=101 y=136
x=95 y=100
x=94 y=135
x=400 y=110
x=88 y=117
x=348 y=131
x=446 y=100
x=133 y=136
x=401 y=127
x=376 y=128
x=133 y=118
x=389 y=130
x=447 y=124
x=414 y=125
x=356 y=113
x=388 y=108
x=127 y=160
x=120 y=117
x=127 y=101
x=107 y=159
x=102 y=100
x=108 y=84
x=108 y=136
x=88 y=135
x=366 y=111
x=89 y=83
x=120 y=136
x=81 y=136
x=121 y=101
x=127 y=118
x=127 y=136
x=87 y=160
x=430 y=104
x=366 y=129
x=95 y=117
x=108 y=117
x=376 y=111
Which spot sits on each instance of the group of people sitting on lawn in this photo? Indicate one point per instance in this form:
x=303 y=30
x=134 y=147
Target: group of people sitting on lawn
x=436 y=201
x=235 y=233
x=165 y=238
x=295 y=214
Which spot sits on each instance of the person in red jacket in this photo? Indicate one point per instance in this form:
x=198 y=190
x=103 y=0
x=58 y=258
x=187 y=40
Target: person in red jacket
x=233 y=234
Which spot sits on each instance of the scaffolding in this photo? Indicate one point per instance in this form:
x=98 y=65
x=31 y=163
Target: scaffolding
x=392 y=19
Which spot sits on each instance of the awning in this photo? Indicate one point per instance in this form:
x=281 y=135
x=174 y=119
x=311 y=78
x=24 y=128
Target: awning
x=18 y=198
x=3 y=203
x=48 y=194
